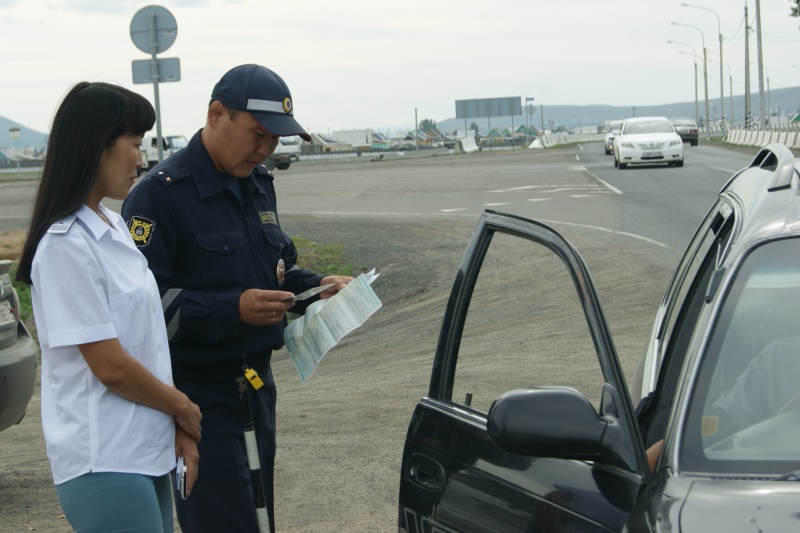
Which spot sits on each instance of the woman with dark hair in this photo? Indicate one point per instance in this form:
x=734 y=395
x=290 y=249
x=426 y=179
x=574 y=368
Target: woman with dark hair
x=113 y=421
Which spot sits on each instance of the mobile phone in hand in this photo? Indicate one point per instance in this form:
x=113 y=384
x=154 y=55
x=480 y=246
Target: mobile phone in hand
x=180 y=477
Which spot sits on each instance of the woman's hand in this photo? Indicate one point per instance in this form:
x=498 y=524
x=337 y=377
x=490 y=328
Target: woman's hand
x=186 y=447
x=189 y=418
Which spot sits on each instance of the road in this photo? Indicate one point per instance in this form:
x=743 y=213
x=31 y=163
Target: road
x=340 y=435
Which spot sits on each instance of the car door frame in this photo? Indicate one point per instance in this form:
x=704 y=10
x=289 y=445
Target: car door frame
x=439 y=397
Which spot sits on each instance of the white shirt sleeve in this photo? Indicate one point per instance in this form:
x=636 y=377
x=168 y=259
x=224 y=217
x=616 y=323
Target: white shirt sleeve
x=72 y=286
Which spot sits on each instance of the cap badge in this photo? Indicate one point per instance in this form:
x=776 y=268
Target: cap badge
x=287 y=104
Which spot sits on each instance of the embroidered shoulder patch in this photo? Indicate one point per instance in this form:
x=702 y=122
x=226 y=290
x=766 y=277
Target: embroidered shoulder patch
x=141 y=230
x=268 y=217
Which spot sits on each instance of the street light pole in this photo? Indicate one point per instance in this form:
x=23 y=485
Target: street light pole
x=721 y=73
x=705 y=72
x=696 y=112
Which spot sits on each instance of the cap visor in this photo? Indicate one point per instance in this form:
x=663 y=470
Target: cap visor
x=281 y=125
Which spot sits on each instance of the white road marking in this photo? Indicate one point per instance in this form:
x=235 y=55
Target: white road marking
x=607 y=230
x=521 y=188
x=498 y=203
x=453 y=210
x=471 y=215
x=539 y=199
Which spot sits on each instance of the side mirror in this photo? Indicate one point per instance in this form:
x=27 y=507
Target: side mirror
x=559 y=422
x=546 y=422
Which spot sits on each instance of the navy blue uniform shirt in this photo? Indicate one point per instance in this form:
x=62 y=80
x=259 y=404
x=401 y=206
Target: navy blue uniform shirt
x=206 y=245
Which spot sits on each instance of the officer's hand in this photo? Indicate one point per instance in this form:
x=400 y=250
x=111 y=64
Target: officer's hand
x=263 y=308
x=186 y=447
x=338 y=284
x=189 y=418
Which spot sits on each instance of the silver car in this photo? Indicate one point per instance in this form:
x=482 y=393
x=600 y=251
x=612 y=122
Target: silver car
x=705 y=439
x=18 y=355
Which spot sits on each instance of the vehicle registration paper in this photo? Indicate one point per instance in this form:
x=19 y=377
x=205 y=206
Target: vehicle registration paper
x=307 y=294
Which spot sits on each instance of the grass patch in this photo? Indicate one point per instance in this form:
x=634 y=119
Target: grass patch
x=24 y=293
x=323 y=259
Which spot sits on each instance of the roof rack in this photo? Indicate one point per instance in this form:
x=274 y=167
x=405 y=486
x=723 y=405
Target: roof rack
x=776 y=157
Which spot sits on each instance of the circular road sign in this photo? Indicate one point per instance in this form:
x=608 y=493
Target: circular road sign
x=166 y=29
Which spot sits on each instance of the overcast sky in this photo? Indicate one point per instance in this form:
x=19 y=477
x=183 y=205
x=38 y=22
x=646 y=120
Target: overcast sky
x=354 y=64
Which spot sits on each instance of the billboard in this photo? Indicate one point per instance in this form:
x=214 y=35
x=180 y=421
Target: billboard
x=489 y=107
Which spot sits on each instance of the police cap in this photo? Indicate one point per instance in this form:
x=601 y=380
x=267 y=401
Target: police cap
x=264 y=94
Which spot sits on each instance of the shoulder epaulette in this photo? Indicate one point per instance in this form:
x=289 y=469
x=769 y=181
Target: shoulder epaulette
x=261 y=171
x=63 y=225
x=169 y=175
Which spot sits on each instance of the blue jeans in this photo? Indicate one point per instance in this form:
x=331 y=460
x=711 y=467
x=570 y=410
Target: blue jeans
x=112 y=501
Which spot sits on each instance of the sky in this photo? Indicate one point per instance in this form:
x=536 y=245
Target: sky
x=357 y=64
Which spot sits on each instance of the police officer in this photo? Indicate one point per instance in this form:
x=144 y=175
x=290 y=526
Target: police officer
x=206 y=218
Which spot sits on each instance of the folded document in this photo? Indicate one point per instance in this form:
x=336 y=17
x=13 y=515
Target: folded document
x=326 y=322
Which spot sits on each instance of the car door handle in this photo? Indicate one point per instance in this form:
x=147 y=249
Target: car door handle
x=426 y=472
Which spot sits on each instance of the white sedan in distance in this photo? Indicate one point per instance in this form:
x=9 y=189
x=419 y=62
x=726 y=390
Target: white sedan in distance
x=647 y=140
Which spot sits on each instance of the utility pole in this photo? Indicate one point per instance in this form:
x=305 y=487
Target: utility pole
x=705 y=78
x=748 y=115
x=760 y=66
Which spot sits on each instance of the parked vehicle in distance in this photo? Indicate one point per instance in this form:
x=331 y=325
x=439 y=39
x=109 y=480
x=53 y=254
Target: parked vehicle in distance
x=286 y=153
x=687 y=129
x=19 y=355
x=529 y=424
x=170 y=144
x=647 y=140
x=608 y=137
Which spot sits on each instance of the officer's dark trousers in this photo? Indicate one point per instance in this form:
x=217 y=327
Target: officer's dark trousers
x=222 y=498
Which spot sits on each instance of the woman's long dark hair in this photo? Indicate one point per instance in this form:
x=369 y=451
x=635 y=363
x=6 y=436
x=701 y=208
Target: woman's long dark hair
x=89 y=120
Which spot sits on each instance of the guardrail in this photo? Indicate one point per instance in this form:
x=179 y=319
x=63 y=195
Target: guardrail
x=761 y=138
x=553 y=139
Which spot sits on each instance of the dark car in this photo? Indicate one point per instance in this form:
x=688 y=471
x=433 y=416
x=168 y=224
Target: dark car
x=687 y=129
x=529 y=424
x=612 y=130
x=18 y=355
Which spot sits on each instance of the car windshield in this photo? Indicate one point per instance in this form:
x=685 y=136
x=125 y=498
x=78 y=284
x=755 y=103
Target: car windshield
x=177 y=142
x=744 y=412
x=613 y=126
x=683 y=122
x=647 y=126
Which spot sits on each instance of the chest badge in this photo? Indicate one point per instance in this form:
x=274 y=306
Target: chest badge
x=281 y=272
x=141 y=230
x=268 y=217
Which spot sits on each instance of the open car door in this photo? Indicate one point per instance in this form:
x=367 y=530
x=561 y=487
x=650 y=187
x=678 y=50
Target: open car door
x=528 y=425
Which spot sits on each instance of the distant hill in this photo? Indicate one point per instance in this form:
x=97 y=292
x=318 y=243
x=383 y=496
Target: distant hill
x=27 y=136
x=787 y=101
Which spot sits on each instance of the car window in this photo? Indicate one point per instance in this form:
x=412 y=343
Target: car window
x=744 y=414
x=648 y=126
x=687 y=293
x=525 y=327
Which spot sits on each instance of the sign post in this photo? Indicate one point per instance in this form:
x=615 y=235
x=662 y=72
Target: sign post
x=153 y=30
x=13 y=132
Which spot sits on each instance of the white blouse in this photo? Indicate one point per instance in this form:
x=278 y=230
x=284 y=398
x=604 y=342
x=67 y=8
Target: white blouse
x=90 y=283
